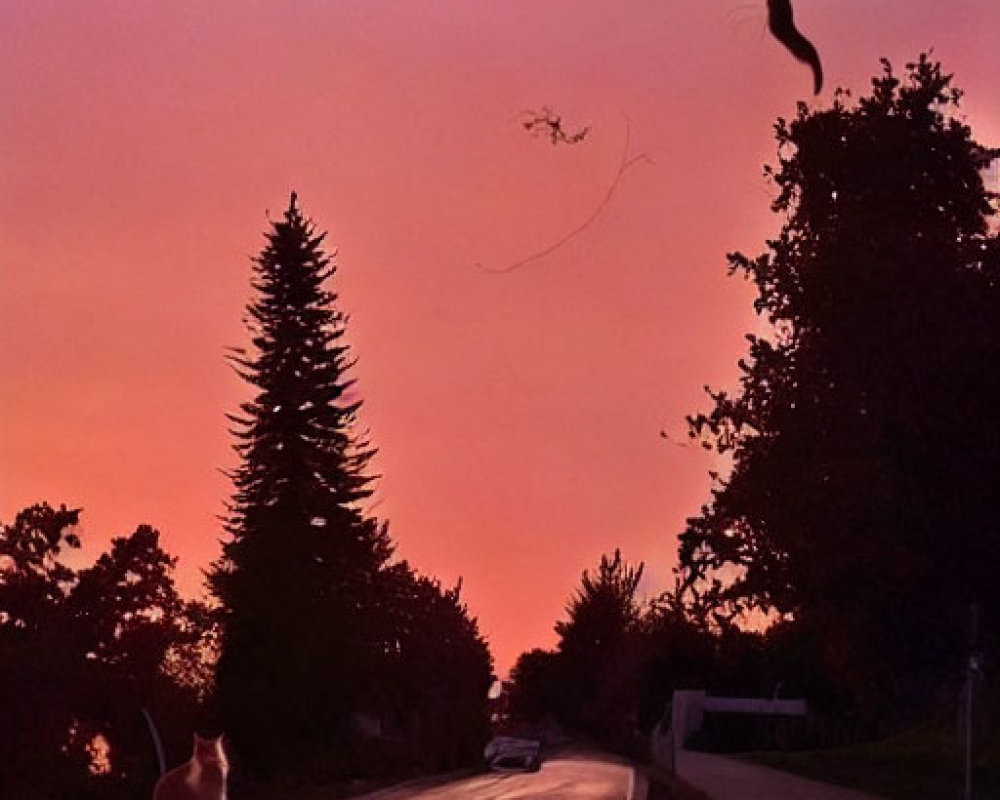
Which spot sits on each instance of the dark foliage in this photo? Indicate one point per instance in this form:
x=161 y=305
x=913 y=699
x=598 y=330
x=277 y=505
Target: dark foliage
x=614 y=674
x=81 y=653
x=619 y=661
x=864 y=442
x=297 y=574
x=40 y=669
x=538 y=689
x=334 y=662
x=677 y=653
x=597 y=645
x=440 y=673
x=589 y=683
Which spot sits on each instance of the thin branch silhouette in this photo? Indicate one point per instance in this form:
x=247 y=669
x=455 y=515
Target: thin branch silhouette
x=674 y=441
x=626 y=162
x=547 y=123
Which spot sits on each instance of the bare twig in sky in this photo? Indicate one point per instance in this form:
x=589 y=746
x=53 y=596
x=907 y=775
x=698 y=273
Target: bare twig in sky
x=547 y=123
x=626 y=163
x=673 y=441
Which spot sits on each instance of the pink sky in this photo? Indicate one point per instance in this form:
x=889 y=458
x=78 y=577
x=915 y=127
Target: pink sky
x=517 y=416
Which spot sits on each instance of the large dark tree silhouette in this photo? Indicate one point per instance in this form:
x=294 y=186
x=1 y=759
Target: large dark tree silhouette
x=439 y=673
x=597 y=646
x=864 y=438
x=297 y=579
x=127 y=621
x=81 y=653
x=40 y=671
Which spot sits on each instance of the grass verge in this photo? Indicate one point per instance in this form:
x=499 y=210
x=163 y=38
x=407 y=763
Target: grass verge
x=925 y=763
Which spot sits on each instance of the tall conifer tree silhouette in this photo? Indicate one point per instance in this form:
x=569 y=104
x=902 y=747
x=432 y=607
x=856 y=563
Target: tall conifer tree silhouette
x=298 y=575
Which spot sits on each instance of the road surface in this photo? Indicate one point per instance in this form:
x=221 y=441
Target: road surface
x=572 y=776
x=730 y=779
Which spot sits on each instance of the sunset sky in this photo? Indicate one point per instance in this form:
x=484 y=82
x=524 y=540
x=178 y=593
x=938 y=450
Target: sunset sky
x=142 y=145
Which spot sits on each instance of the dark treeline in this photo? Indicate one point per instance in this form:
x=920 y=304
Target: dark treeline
x=619 y=659
x=320 y=657
x=859 y=516
x=83 y=652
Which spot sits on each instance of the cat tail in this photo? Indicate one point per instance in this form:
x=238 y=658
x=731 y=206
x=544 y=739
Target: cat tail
x=157 y=742
x=780 y=20
x=800 y=47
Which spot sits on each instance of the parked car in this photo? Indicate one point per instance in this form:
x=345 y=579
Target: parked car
x=513 y=754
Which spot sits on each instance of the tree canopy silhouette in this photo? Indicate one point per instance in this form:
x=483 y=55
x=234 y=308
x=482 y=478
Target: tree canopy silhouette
x=864 y=437
x=342 y=652
x=81 y=653
x=603 y=609
x=439 y=672
x=296 y=577
x=597 y=650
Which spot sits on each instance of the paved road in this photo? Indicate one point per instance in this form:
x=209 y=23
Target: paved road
x=728 y=779
x=569 y=777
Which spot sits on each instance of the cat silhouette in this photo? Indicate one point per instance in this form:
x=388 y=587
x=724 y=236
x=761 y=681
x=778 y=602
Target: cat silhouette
x=201 y=778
